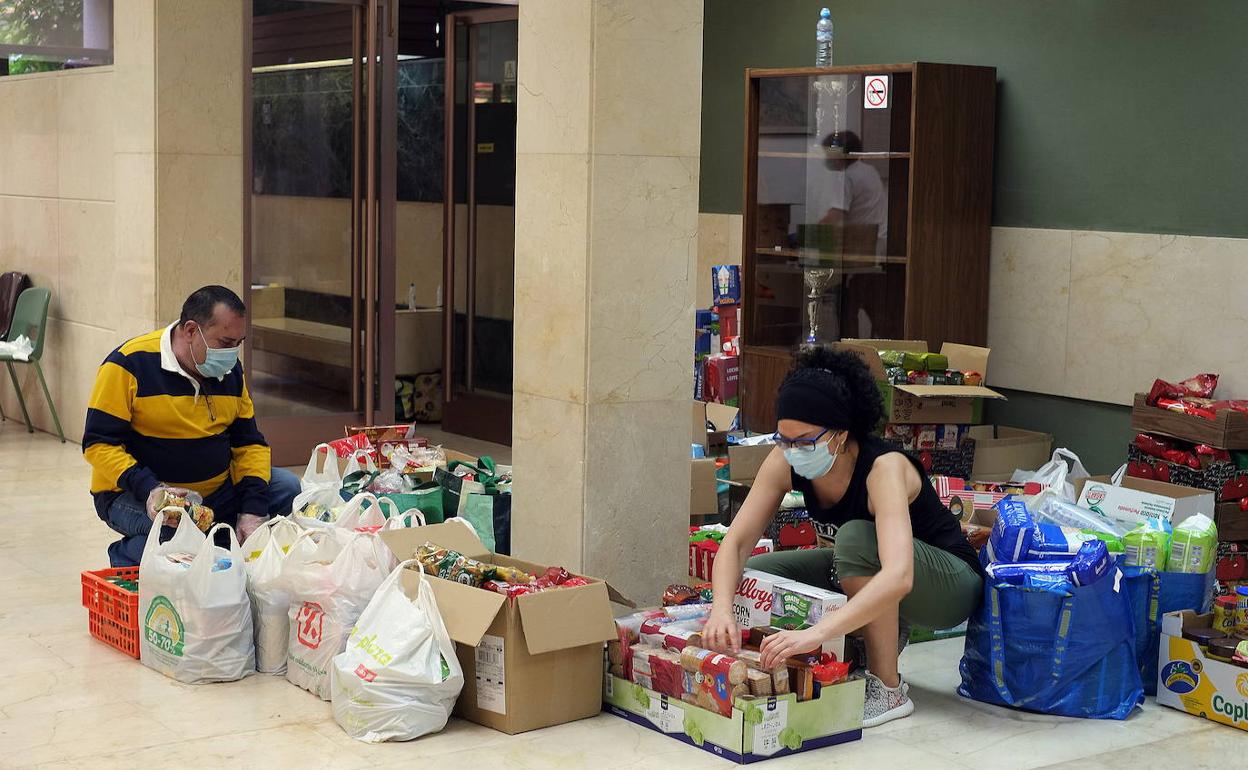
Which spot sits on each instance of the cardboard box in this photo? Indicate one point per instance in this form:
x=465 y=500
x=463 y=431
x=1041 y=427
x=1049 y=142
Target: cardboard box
x=722 y=418
x=726 y=284
x=703 y=488
x=529 y=662
x=1001 y=450
x=743 y=461
x=1140 y=500
x=775 y=722
x=1232 y=522
x=1189 y=680
x=723 y=377
x=1229 y=431
x=928 y=403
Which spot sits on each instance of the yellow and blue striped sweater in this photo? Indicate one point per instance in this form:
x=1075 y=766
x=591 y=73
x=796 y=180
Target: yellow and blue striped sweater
x=147 y=425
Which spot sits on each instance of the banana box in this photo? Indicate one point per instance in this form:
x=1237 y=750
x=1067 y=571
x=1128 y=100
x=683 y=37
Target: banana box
x=1189 y=680
x=759 y=728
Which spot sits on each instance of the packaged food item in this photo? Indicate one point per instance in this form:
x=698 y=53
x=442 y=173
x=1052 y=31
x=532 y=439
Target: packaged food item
x=680 y=594
x=1193 y=545
x=1201 y=635
x=892 y=358
x=1241 y=610
x=314 y=510
x=972 y=378
x=1199 y=386
x=956 y=377
x=796 y=606
x=510 y=590
x=175 y=504
x=1148 y=545
x=1186 y=407
x=452 y=565
x=511 y=574
x=1017 y=536
x=667 y=675
x=780 y=681
x=1241 y=653
x=697 y=659
x=829 y=671
x=751 y=606
x=759 y=682
x=1224 y=614
x=1222 y=648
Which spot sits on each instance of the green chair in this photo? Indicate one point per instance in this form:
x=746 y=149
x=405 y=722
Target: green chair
x=30 y=318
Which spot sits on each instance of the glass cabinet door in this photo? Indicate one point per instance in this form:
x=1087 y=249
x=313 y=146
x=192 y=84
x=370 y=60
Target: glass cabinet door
x=830 y=184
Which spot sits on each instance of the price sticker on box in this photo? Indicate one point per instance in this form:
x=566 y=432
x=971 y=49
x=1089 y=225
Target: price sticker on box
x=665 y=716
x=767 y=732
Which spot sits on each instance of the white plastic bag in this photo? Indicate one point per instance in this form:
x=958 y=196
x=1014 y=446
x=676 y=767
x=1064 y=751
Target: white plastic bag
x=329 y=586
x=1049 y=507
x=270 y=603
x=412 y=517
x=353 y=514
x=398 y=678
x=322 y=487
x=194 y=608
x=1055 y=474
x=280 y=528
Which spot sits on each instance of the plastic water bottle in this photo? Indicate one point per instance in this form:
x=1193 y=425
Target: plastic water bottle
x=411 y=296
x=823 y=39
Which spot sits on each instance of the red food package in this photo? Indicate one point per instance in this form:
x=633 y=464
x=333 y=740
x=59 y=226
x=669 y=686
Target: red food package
x=679 y=594
x=573 y=582
x=1213 y=453
x=1186 y=407
x=510 y=590
x=345 y=446
x=830 y=671
x=1179 y=457
x=1238 y=405
x=1161 y=472
x=1199 y=386
x=557 y=575
x=1235 y=488
x=1243 y=503
x=1151 y=445
x=1140 y=470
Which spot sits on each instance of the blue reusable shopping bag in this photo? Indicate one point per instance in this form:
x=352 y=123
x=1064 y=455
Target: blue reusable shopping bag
x=1152 y=594
x=1063 y=652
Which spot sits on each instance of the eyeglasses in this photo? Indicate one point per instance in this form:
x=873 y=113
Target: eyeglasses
x=801 y=444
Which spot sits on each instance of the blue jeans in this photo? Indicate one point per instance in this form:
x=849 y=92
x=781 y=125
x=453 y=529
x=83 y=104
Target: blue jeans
x=128 y=516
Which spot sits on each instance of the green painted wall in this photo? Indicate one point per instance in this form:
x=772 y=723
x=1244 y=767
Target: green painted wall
x=1098 y=433
x=1122 y=115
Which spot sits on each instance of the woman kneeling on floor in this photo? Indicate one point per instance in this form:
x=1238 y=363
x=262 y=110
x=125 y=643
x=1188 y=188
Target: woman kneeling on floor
x=900 y=554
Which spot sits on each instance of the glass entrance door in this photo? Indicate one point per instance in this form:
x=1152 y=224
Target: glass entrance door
x=479 y=212
x=319 y=220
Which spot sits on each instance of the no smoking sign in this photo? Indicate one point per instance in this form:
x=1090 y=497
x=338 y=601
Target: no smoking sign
x=875 y=92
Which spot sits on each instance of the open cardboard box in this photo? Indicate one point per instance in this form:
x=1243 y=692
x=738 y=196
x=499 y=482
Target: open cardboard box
x=1189 y=680
x=1138 y=500
x=962 y=404
x=743 y=461
x=1001 y=450
x=529 y=662
x=759 y=728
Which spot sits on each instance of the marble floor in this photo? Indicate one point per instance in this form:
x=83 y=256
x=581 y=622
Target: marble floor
x=67 y=701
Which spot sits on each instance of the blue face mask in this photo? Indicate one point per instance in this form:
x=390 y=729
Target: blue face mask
x=811 y=465
x=217 y=361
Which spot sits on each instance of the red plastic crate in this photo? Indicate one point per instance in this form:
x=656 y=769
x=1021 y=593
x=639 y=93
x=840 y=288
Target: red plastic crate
x=112 y=611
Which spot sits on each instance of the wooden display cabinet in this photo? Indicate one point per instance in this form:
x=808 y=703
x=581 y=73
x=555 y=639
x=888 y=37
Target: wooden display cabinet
x=868 y=203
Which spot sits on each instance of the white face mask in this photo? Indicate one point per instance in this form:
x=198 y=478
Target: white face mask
x=813 y=464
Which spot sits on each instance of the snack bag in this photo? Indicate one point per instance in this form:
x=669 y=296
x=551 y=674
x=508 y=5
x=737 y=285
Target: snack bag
x=1193 y=545
x=195 y=618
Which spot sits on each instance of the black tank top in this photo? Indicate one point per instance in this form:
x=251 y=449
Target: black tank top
x=930 y=521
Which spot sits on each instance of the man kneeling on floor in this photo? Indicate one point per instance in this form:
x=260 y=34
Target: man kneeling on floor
x=170 y=411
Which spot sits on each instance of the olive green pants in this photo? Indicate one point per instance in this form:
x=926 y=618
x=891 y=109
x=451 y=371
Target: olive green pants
x=945 y=593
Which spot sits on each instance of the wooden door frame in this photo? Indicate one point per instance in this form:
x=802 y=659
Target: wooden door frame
x=291 y=437
x=484 y=417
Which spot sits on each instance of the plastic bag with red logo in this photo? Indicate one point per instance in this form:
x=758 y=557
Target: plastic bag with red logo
x=330 y=575
x=1196 y=386
x=398 y=677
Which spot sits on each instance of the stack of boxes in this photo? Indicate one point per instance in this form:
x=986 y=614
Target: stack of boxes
x=717 y=362
x=1208 y=454
x=931 y=400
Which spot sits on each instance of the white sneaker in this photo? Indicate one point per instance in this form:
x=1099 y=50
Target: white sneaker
x=884 y=704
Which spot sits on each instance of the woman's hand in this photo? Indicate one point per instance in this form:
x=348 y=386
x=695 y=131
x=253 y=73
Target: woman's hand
x=777 y=647
x=721 y=632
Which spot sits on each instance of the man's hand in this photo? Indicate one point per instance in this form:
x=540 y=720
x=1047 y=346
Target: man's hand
x=777 y=647
x=157 y=497
x=248 y=523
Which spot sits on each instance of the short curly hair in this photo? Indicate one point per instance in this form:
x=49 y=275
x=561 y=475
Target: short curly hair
x=845 y=377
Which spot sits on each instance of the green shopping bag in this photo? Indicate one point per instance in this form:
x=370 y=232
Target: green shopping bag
x=426 y=498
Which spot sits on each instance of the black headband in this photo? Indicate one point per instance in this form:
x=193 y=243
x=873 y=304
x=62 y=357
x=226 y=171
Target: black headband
x=814 y=396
